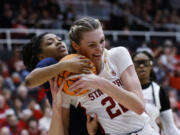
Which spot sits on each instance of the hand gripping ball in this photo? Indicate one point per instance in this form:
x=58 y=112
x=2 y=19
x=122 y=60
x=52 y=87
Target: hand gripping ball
x=68 y=83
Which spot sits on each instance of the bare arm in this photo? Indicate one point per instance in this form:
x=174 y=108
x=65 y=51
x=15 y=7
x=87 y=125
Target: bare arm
x=167 y=121
x=130 y=92
x=56 y=127
x=65 y=114
x=92 y=124
x=41 y=75
x=132 y=84
x=130 y=96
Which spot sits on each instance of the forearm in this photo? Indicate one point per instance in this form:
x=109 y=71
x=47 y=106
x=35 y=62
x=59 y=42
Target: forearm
x=41 y=75
x=56 y=127
x=169 y=126
x=65 y=118
x=128 y=99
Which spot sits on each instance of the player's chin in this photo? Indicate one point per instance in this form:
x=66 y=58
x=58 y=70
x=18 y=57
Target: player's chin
x=62 y=54
x=96 y=58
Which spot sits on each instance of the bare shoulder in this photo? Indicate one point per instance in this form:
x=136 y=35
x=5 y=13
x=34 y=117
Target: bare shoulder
x=118 y=51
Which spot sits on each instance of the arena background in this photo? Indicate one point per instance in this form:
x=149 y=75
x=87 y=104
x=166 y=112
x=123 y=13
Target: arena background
x=153 y=25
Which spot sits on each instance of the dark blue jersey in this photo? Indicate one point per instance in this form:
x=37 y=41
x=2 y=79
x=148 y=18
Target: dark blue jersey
x=44 y=63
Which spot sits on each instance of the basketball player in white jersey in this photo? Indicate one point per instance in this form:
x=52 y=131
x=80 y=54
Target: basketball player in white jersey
x=156 y=100
x=115 y=95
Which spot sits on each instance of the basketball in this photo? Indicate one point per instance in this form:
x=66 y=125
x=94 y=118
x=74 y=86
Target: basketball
x=68 y=83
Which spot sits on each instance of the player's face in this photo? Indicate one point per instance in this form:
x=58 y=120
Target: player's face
x=53 y=46
x=92 y=45
x=143 y=66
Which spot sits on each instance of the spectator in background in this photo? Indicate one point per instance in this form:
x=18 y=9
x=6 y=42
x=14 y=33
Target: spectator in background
x=9 y=84
x=108 y=44
x=22 y=93
x=26 y=116
x=35 y=108
x=18 y=107
x=33 y=127
x=24 y=132
x=1 y=83
x=175 y=80
x=14 y=59
x=16 y=79
x=4 y=70
x=7 y=16
x=44 y=122
x=3 y=108
x=159 y=70
x=8 y=96
x=8 y=112
x=5 y=131
x=167 y=59
x=12 y=122
x=173 y=98
x=43 y=132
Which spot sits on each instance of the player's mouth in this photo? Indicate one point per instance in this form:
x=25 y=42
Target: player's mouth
x=97 y=55
x=142 y=72
x=61 y=48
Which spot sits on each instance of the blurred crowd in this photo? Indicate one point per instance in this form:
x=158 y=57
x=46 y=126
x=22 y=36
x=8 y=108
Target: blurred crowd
x=23 y=111
x=155 y=13
x=34 y=14
x=133 y=14
x=26 y=111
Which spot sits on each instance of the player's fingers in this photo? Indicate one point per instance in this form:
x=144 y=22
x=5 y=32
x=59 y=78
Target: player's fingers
x=52 y=89
x=75 y=85
x=86 y=65
x=81 y=57
x=61 y=87
x=59 y=92
x=88 y=118
x=51 y=84
x=79 y=91
x=55 y=82
x=55 y=79
x=95 y=117
x=86 y=71
x=86 y=61
x=74 y=76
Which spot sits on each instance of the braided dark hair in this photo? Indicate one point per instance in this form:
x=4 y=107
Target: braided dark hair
x=31 y=50
x=152 y=73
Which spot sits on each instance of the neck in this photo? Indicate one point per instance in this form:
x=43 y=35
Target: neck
x=144 y=81
x=99 y=67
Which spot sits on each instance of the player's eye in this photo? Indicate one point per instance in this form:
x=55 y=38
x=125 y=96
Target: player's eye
x=50 y=42
x=102 y=41
x=92 y=45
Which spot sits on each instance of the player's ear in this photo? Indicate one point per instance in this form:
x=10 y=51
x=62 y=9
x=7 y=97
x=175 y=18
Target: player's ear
x=75 y=46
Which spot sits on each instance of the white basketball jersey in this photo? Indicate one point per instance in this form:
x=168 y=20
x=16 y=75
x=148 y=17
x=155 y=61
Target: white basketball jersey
x=114 y=118
x=152 y=110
